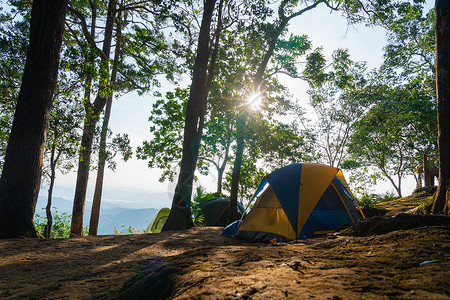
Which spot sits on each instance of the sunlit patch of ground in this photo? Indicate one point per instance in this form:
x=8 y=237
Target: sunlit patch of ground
x=201 y=264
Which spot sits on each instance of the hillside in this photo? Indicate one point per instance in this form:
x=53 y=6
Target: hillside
x=111 y=216
x=367 y=261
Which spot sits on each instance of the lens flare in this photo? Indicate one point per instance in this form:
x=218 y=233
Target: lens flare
x=255 y=100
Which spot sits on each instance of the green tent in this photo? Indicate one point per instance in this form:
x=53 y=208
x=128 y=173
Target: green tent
x=215 y=211
x=158 y=221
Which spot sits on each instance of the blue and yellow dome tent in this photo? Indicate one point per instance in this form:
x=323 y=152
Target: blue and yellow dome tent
x=299 y=201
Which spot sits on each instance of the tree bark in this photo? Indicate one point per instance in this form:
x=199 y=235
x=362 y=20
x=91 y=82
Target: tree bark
x=221 y=169
x=284 y=20
x=219 y=181
x=21 y=176
x=82 y=177
x=96 y=202
x=92 y=113
x=180 y=214
x=442 y=200
x=257 y=80
x=265 y=61
x=235 y=176
x=48 y=208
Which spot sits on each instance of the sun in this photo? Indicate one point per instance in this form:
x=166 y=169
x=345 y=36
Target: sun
x=254 y=101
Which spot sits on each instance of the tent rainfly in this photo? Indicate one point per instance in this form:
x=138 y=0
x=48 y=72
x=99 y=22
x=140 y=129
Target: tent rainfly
x=298 y=201
x=158 y=221
x=215 y=211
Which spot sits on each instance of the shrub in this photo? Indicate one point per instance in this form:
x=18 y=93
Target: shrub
x=371 y=200
x=60 y=226
x=388 y=196
x=368 y=200
x=197 y=216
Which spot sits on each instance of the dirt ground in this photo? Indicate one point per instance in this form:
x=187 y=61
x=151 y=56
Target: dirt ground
x=394 y=256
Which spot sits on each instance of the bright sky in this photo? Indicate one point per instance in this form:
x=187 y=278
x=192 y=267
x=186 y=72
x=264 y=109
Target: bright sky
x=130 y=113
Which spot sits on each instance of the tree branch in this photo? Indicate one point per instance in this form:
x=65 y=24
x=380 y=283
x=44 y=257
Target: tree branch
x=300 y=12
x=89 y=38
x=131 y=80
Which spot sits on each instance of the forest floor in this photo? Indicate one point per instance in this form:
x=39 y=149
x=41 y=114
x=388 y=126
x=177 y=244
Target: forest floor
x=395 y=256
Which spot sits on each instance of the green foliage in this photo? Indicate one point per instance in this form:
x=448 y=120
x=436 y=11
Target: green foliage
x=120 y=144
x=362 y=178
x=63 y=134
x=65 y=117
x=371 y=200
x=201 y=197
x=388 y=196
x=146 y=52
x=401 y=123
x=350 y=164
x=243 y=45
x=334 y=96
x=6 y=118
x=426 y=205
x=14 y=32
x=281 y=144
x=251 y=177
x=60 y=226
x=368 y=200
x=396 y=131
x=411 y=42
x=163 y=151
x=197 y=216
x=288 y=51
x=314 y=71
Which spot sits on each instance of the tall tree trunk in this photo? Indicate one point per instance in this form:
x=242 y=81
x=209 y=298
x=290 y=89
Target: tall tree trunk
x=85 y=147
x=48 y=208
x=95 y=212
x=92 y=115
x=242 y=120
x=219 y=181
x=82 y=176
x=221 y=170
x=235 y=176
x=442 y=201
x=265 y=61
x=180 y=214
x=284 y=20
x=21 y=176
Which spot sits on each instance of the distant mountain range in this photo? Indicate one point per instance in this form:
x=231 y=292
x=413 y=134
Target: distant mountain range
x=118 y=197
x=120 y=208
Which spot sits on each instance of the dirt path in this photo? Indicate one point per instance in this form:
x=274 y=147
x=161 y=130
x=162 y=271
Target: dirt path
x=201 y=264
x=337 y=267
